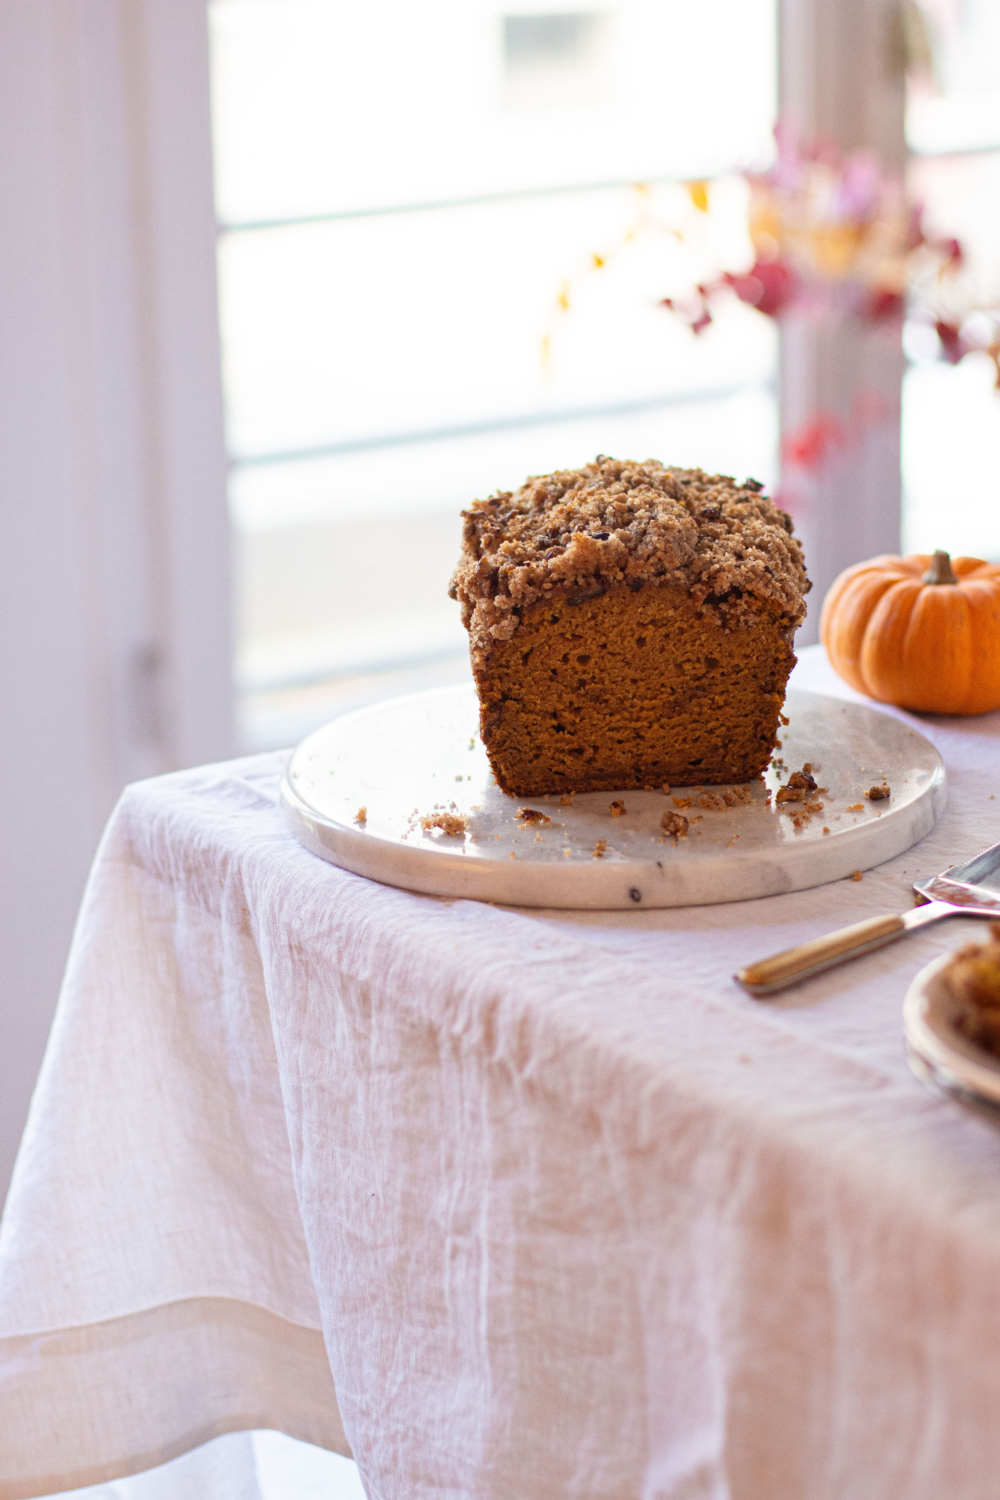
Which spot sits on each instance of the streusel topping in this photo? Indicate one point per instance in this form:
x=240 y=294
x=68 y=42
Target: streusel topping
x=611 y=525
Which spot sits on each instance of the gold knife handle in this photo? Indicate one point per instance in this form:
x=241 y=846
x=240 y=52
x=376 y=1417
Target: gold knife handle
x=771 y=974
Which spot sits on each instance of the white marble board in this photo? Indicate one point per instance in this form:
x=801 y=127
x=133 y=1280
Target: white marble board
x=410 y=756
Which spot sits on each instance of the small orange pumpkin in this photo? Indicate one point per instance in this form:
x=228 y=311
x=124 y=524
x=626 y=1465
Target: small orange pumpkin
x=921 y=632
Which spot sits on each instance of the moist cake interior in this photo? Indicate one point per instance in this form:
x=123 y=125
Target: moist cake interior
x=632 y=690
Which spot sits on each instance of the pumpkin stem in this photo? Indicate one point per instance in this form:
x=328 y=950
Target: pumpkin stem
x=941 y=570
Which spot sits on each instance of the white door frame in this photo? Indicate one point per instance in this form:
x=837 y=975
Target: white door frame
x=115 y=639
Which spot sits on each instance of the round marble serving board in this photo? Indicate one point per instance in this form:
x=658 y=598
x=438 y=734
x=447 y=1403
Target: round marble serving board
x=409 y=757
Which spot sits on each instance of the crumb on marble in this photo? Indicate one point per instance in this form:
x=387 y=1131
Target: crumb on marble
x=450 y=823
x=723 y=797
x=674 y=825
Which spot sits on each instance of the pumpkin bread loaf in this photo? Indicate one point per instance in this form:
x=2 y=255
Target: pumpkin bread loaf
x=629 y=625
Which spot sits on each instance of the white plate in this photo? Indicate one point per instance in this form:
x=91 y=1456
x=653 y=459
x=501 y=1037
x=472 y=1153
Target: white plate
x=404 y=757
x=939 y=1053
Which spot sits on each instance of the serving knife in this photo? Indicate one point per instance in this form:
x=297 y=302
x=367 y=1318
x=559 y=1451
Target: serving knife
x=969 y=890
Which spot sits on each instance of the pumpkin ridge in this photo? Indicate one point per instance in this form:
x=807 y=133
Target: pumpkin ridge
x=983 y=597
x=884 y=634
x=937 y=652
x=968 y=567
x=842 y=626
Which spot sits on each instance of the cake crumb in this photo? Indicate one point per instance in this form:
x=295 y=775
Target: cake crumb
x=879 y=792
x=361 y=816
x=855 y=874
x=531 y=815
x=617 y=808
x=567 y=853
x=856 y=807
x=782 y=719
x=799 y=788
x=681 y=801
x=449 y=823
x=666 y=789
x=674 y=824
x=566 y=800
x=600 y=848
x=826 y=830
x=814 y=806
x=729 y=796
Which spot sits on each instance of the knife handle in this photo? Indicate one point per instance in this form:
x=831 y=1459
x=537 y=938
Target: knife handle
x=771 y=974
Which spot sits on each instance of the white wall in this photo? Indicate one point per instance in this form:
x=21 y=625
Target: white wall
x=114 y=607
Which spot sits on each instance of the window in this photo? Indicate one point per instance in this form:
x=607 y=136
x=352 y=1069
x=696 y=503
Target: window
x=413 y=201
x=951 y=413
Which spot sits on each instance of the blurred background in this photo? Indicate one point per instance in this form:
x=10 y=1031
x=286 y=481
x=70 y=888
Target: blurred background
x=285 y=283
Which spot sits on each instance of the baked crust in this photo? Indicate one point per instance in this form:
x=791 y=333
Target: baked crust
x=618 y=525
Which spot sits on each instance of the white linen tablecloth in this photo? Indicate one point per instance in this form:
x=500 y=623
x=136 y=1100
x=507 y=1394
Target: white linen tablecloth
x=562 y=1210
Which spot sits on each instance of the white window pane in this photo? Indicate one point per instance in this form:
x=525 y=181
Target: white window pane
x=343 y=564
x=951 y=476
x=355 y=329
x=355 y=336
x=951 y=414
x=321 y=105
x=957 y=107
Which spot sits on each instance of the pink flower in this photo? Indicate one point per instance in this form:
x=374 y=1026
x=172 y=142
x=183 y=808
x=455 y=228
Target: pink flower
x=768 y=286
